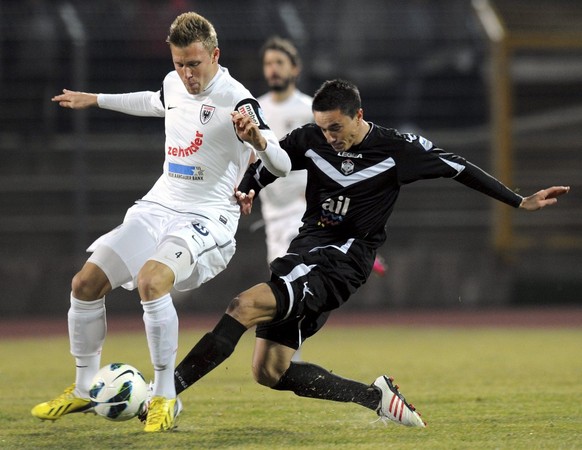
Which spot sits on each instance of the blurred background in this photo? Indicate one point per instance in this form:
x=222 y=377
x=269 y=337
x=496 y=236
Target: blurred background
x=498 y=82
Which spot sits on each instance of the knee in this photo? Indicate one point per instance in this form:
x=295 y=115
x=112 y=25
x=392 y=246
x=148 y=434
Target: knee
x=267 y=376
x=244 y=308
x=254 y=306
x=89 y=285
x=153 y=284
x=241 y=307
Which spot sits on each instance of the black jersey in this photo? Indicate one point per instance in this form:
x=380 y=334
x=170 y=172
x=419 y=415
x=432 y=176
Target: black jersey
x=351 y=194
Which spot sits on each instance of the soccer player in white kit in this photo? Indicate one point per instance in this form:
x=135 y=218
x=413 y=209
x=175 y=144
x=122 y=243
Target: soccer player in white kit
x=181 y=233
x=286 y=108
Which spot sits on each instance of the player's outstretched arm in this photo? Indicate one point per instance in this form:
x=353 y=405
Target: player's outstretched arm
x=75 y=100
x=543 y=198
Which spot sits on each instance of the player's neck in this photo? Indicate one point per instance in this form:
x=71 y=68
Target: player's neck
x=281 y=96
x=363 y=132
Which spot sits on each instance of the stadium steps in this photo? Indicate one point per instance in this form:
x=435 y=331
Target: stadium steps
x=121 y=168
x=42 y=193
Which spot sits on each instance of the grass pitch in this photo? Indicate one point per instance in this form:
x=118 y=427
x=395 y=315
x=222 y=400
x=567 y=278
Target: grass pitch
x=479 y=388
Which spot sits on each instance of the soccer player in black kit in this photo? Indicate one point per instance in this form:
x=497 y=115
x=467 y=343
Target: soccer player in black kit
x=355 y=171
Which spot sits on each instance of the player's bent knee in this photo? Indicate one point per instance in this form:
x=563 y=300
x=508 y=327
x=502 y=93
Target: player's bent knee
x=172 y=263
x=240 y=304
x=253 y=306
x=90 y=284
x=243 y=309
x=154 y=280
x=81 y=286
x=266 y=376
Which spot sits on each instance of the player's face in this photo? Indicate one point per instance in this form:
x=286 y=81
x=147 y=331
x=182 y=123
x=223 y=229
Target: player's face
x=340 y=131
x=195 y=66
x=278 y=70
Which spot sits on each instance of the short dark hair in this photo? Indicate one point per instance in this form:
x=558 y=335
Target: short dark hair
x=282 y=45
x=337 y=94
x=191 y=27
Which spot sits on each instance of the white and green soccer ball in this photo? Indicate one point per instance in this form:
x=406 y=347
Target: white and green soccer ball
x=118 y=391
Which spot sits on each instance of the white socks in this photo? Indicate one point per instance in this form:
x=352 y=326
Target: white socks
x=161 y=324
x=87 y=330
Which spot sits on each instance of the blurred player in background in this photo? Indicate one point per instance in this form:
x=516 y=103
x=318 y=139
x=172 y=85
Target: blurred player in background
x=286 y=108
x=181 y=233
x=355 y=171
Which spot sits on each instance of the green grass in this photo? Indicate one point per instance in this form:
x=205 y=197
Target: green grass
x=477 y=388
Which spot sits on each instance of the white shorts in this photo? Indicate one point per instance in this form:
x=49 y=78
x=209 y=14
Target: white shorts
x=279 y=234
x=151 y=232
x=282 y=206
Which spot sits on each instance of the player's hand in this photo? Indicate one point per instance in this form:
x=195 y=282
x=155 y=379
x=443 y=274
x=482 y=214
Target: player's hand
x=543 y=198
x=248 y=131
x=245 y=201
x=75 y=100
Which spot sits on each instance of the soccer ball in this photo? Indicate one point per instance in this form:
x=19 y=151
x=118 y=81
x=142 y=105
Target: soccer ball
x=118 y=391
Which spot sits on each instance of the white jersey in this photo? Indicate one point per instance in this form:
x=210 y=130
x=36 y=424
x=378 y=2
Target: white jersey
x=283 y=202
x=193 y=200
x=287 y=115
x=204 y=158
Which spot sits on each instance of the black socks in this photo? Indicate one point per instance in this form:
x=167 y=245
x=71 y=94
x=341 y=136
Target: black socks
x=209 y=352
x=304 y=379
x=309 y=380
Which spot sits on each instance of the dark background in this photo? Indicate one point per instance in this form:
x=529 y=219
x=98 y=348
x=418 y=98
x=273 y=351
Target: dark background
x=422 y=66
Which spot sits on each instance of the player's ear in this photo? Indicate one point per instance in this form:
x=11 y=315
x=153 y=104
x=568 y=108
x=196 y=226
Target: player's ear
x=295 y=70
x=215 y=55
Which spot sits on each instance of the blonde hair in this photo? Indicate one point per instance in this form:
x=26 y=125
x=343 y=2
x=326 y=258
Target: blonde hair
x=191 y=27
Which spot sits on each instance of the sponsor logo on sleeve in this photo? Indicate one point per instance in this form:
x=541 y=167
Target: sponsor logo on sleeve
x=426 y=144
x=248 y=110
x=262 y=115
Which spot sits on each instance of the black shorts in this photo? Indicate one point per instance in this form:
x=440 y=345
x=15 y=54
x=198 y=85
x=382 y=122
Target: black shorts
x=309 y=285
